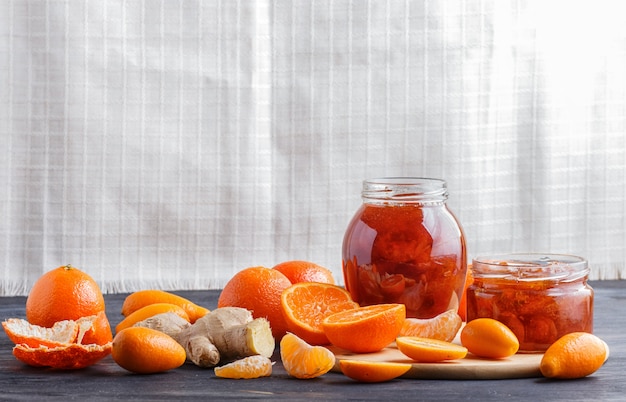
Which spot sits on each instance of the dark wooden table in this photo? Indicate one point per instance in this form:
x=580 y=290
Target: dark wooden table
x=107 y=381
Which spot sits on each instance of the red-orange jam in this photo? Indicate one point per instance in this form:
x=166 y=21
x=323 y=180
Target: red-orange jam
x=540 y=297
x=404 y=246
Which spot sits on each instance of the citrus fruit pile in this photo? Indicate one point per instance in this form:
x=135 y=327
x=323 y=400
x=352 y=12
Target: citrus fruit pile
x=295 y=304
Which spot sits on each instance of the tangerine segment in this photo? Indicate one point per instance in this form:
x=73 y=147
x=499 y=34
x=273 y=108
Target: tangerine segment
x=249 y=367
x=306 y=304
x=150 y=311
x=486 y=337
x=443 y=327
x=365 y=329
x=366 y=371
x=70 y=356
x=429 y=350
x=575 y=355
x=145 y=350
x=304 y=271
x=142 y=298
x=302 y=360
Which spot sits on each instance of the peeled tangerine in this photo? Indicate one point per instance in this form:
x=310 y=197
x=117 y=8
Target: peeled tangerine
x=58 y=347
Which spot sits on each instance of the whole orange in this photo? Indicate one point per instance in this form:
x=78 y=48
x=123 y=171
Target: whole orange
x=258 y=289
x=304 y=271
x=67 y=293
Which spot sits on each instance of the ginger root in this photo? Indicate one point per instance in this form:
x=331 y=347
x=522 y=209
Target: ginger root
x=224 y=334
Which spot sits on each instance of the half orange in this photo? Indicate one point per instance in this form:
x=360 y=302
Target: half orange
x=365 y=329
x=306 y=304
x=368 y=371
x=429 y=350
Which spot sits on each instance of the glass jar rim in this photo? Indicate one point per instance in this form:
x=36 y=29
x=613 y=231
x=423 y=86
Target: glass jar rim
x=405 y=189
x=530 y=267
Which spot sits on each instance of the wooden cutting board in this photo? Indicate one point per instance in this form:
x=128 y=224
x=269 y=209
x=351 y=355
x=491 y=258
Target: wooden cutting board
x=469 y=368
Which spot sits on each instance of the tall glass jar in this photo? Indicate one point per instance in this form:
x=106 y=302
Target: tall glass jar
x=404 y=245
x=540 y=297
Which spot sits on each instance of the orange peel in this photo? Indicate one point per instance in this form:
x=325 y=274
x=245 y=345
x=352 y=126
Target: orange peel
x=58 y=346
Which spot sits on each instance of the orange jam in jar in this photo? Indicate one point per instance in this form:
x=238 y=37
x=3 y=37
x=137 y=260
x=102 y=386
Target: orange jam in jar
x=404 y=245
x=540 y=297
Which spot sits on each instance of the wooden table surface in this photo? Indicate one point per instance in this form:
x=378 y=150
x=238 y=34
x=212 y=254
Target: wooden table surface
x=107 y=381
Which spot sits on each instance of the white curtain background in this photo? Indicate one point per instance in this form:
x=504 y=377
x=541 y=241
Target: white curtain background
x=171 y=144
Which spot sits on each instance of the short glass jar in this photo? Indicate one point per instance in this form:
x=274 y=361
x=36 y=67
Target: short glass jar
x=404 y=245
x=540 y=297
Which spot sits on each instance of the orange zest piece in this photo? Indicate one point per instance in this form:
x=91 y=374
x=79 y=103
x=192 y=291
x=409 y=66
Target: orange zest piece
x=306 y=304
x=365 y=329
x=58 y=346
x=302 y=360
x=150 y=311
x=367 y=371
x=429 y=350
x=486 y=337
x=249 y=367
x=443 y=327
x=575 y=355
x=142 y=298
x=304 y=271
x=145 y=351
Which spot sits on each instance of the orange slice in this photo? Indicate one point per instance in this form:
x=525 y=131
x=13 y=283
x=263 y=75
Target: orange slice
x=302 y=360
x=429 y=350
x=365 y=329
x=249 y=367
x=306 y=304
x=443 y=327
x=486 y=337
x=368 y=371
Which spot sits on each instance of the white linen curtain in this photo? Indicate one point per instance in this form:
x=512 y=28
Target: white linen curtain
x=171 y=144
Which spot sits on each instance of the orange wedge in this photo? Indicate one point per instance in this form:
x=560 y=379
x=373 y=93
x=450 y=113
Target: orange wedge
x=443 y=327
x=429 y=350
x=249 y=367
x=306 y=304
x=368 y=371
x=365 y=329
x=302 y=360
